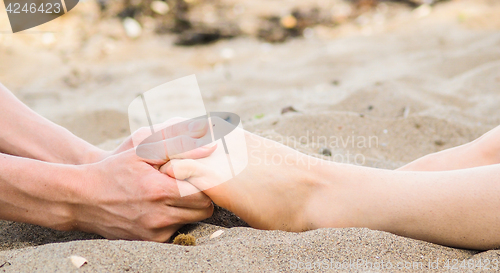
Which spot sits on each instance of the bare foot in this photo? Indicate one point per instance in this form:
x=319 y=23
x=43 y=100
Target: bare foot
x=274 y=191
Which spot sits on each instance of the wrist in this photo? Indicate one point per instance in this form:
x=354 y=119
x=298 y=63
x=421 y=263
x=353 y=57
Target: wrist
x=38 y=192
x=80 y=191
x=66 y=188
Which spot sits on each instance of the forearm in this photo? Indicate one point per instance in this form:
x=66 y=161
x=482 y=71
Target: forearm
x=37 y=192
x=454 y=208
x=27 y=134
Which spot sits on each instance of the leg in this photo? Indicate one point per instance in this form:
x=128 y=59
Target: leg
x=456 y=208
x=480 y=152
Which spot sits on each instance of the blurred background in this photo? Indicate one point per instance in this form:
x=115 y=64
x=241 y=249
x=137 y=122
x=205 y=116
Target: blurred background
x=415 y=71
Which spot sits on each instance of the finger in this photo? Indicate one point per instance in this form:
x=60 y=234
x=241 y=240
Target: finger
x=177 y=147
x=149 y=135
x=194 y=200
x=201 y=152
x=173 y=127
x=162 y=235
x=200 y=176
x=195 y=128
x=176 y=218
x=168 y=169
x=185 y=215
x=151 y=161
x=161 y=217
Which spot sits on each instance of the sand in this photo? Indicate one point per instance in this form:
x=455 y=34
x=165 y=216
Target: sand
x=416 y=83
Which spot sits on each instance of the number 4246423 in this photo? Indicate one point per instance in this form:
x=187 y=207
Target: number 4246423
x=32 y=8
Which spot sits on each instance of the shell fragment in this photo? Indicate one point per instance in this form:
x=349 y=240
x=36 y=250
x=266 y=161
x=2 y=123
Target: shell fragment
x=77 y=261
x=216 y=234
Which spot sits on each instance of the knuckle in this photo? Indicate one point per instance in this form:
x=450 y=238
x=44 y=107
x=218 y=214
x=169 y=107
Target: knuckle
x=156 y=221
x=186 y=139
x=185 y=143
x=205 y=213
x=207 y=203
x=161 y=237
x=156 y=193
x=189 y=162
x=140 y=134
x=155 y=236
x=210 y=210
x=187 y=165
x=183 y=163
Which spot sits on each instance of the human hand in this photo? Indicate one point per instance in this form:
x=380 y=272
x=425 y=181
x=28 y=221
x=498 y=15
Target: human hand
x=174 y=129
x=125 y=197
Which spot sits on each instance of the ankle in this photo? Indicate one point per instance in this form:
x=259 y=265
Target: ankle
x=349 y=196
x=329 y=205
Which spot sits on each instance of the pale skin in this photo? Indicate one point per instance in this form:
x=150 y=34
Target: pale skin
x=52 y=178
x=448 y=198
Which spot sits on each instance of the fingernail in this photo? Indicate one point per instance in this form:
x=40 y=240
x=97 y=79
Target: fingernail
x=197 y=125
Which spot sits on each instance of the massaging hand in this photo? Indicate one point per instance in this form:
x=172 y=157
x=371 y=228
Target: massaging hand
x=55 y=179
x=125 y=196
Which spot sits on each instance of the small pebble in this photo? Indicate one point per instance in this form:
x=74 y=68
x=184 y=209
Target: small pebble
x=325 y=151
x=217 y=233
x=288 y=21
x=406 y=111
x=308 y=33
x=439 y=142
x=132 y=27
x=160 y=7
x=288 y=109
x=227 y=53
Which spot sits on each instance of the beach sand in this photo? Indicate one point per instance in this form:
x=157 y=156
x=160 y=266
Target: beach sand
x=417 y=83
